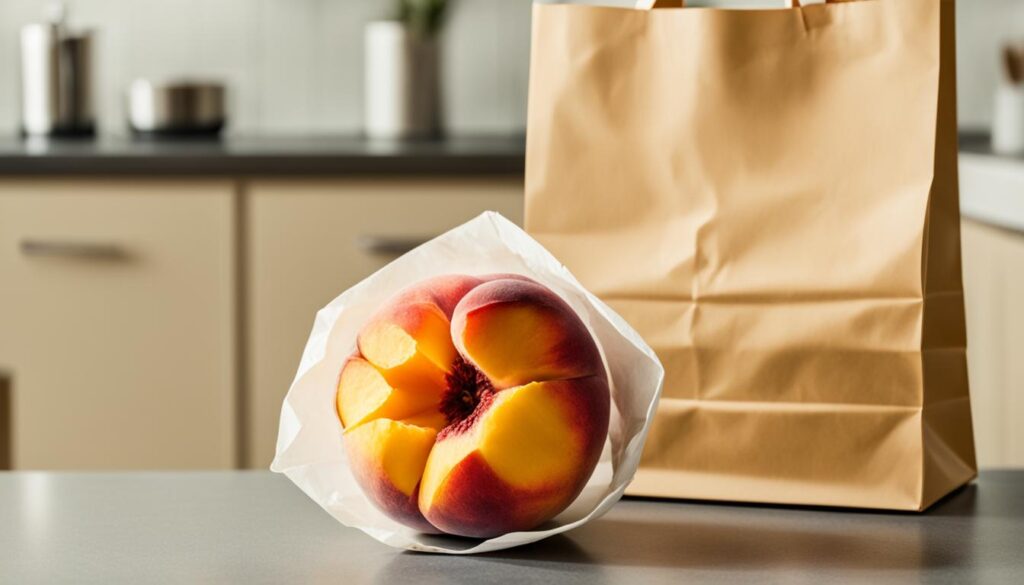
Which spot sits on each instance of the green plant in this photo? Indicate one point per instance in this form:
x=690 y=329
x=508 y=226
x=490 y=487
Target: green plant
x=423 y=17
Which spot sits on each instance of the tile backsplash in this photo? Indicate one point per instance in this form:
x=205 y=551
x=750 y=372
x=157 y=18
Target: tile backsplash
x=296 y=65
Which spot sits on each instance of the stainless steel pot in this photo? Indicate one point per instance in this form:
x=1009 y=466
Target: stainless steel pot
x=183 y=108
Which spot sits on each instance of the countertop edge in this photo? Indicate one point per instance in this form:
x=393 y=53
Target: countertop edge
x=284 y=155
x=303 y=166
x=992 y=190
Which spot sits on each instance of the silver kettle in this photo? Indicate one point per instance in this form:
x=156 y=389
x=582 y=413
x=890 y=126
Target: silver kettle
x=56 y=78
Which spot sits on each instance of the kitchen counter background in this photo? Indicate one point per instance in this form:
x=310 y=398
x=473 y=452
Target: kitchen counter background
x=263 y=156
x=295 y=66
x=302 y=154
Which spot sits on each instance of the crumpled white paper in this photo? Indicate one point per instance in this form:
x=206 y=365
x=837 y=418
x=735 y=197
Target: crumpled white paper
x=310 y=448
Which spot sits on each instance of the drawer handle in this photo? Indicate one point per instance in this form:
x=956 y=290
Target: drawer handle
x=388 y=245
x=70 y=249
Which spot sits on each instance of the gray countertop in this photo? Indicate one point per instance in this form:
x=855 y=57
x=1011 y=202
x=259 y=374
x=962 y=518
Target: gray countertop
x=262 y=156
x=255 y=527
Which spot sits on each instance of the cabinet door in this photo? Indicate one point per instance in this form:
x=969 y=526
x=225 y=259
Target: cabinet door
x=116 y=323
x=309 y=241
x=993 y=260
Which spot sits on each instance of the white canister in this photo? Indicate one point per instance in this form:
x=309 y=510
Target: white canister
x=1008 y=120
x=402 y=77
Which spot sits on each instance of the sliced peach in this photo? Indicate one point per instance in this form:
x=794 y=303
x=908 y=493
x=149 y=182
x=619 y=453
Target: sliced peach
x=533 y=445
x=518 y=331
x=409 y=338
x=387 y=459
x=411 y=346
x=364 y=394
x=477 y=406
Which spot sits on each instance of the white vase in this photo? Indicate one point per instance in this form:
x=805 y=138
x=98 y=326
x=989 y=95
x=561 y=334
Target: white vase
x=402 y=82
x=1008 y=120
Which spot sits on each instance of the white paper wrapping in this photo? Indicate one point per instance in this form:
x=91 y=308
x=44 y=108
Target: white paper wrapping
x=310 y=448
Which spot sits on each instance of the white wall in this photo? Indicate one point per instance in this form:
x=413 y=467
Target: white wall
x=292 y=65
x=296 y=65
x=982 y=28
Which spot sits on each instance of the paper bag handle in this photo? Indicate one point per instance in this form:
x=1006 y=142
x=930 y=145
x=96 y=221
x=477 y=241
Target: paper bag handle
x=652 y=4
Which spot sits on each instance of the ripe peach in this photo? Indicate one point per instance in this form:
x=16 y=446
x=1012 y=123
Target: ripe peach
x=474 y=406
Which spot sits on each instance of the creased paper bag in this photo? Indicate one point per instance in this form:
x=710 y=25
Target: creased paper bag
x=310 y=449
x=770 y=198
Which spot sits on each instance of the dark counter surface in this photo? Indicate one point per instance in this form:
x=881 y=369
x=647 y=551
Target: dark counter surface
x=979 y=142
x=287 y=155
x=255 y=527
x=234 y=156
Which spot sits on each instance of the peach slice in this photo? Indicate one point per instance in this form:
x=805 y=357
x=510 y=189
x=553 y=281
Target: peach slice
x=387 y=460
x=409 y=338
x=539 y=337
x=475 y=405
x=364 y=394
x=411 y=347
x=524 y=460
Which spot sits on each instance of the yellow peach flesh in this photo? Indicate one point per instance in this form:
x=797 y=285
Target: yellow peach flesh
x=428 y=418
x=364 y=394
x=410 y=358
x=400 y=449
x=529 y=440
x=524 y=339
x=524 y=437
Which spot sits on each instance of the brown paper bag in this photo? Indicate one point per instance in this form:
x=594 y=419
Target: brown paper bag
x=770 y=198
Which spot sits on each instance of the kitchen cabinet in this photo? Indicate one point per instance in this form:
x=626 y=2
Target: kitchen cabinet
x=310 y=240
x=118 y=324
x=993 y=264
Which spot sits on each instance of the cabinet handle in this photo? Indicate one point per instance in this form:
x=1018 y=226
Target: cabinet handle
x=388 y=245
x=71 y=249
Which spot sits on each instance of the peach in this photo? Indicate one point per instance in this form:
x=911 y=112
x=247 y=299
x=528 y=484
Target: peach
x=474 y=406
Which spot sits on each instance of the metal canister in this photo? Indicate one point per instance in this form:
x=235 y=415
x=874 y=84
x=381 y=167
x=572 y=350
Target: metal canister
x=56 y=81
